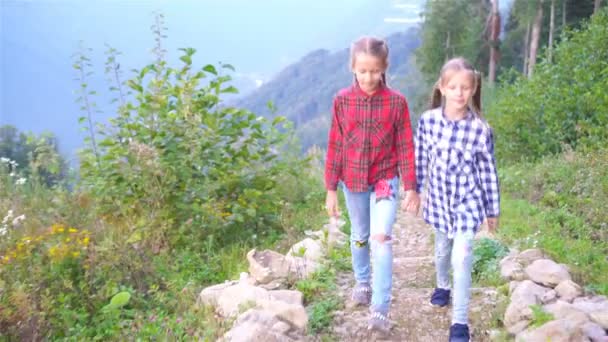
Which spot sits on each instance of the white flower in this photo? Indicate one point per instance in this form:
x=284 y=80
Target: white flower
x=5 y=160
x=3 y=230
x=12 y=174
x=20 y=181
x=9 y=215
x=18 y=219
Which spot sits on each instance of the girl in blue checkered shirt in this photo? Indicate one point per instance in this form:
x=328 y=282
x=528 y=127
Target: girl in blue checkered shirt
x=455 y=156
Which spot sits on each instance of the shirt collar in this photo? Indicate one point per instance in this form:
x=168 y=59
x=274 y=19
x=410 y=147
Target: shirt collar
x=466 y=118
x=358 y=91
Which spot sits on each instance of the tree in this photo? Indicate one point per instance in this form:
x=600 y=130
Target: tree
x=596 y=5
x=451 y=28
x=535 y=36
x=551 y=29
x=494 y=24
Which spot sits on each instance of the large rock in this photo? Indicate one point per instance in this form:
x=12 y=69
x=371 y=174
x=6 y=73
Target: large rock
x=234 y=299
x=562 y=330
x=596 y=307
x=547 y=272
x=529 y=256
x=257 y=325
x=549 y=297
x=308 y=249
x=301 y=267
x=525 y=294
x=287 y=296
x=562 y=309
x=568 y=290
x=594 y=332
x=268 y=266
x=291 y=313
x=511 y=269
x=209 y=295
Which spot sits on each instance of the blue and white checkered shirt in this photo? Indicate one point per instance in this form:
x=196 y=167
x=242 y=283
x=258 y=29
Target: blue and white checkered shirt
x=458 y=159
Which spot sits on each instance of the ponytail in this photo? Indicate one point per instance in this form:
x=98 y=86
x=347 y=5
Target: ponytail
x=477 y=96
x=436 y=98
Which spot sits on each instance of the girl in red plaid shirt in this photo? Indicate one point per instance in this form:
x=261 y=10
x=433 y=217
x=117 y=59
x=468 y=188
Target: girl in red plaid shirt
x=370 y=149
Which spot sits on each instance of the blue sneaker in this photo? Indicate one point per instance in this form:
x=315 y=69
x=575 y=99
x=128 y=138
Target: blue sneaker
x=459 y=333
x=440 y=297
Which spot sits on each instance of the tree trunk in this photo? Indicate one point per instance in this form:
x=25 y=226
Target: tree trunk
x=596 y=6
x=535 y=37
x=551 y=29
x=526 y=49
x=494 y=34
x=564 y=3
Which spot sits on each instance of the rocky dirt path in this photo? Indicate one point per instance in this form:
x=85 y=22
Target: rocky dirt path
x=413 y=318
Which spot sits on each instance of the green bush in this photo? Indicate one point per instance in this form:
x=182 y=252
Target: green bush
x=177 y=189
x=563 y=103
x=487 y=253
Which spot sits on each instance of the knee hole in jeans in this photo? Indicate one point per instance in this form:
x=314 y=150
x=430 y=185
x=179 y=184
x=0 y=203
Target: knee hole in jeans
x=381 y=238
x=360 y=243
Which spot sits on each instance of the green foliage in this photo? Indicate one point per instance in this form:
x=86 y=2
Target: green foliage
x=451 y=28
x=539 y=316
x=321 y=314
x=36 y=156
x=568 y=216
x=527 y=226
x=186 y=161
x=487 y=253
x=564 y=103
x=179 y=188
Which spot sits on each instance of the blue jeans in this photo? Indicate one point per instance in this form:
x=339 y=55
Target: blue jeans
x=371 y=217
x=459 y=252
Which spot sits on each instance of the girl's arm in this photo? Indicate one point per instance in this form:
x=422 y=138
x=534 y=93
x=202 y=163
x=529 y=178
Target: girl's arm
x=405 y=150
x=422 y=156
x=486 y=166
x=333 y=160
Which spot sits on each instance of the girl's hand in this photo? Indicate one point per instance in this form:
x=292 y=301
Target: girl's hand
x=492 y=224
x=411 y=203
x=331 y=204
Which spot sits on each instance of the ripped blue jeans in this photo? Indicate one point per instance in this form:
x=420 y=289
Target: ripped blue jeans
x=375 y=218
x=459 y=253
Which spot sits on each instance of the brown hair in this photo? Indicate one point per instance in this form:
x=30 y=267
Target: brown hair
x=372 y=46
x=457 y=64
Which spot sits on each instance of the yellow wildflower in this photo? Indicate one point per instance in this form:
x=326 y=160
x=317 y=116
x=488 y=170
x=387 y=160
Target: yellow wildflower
x=72 y=230
x=75 y=254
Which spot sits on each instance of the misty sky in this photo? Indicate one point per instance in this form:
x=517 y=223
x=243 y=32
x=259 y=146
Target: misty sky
x=258 y=37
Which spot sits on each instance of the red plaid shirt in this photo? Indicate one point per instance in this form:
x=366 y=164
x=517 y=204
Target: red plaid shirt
x=370 y=139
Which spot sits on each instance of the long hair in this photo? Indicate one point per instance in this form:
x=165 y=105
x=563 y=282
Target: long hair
x=372 y=46
x=457 y=64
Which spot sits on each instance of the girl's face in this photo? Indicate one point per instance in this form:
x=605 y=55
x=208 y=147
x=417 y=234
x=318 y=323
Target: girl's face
x=458 y=88
x=368 y=70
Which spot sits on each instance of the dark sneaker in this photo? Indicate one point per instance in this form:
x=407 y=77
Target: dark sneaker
x=459 y=333
x=362 y=294
x=379 y=322
x=440 y=297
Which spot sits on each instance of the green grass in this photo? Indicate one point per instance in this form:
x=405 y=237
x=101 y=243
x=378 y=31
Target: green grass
x=320 y=291
x=539 y=316
x=524 y=225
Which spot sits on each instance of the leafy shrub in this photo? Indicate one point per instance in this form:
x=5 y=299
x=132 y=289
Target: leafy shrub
x=486 y=255
x=563 y=103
